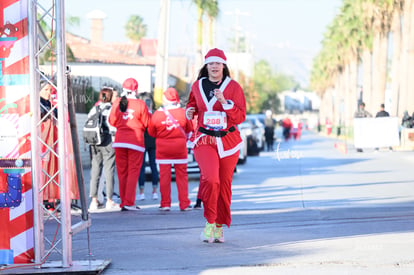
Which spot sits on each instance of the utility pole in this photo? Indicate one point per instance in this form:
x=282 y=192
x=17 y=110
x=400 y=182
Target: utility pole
x=237 y=49
x=161 y=66
x=237 y=13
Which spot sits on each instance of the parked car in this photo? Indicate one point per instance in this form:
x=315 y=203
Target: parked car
x=243 y=149
x=247 y=129
x=258 y=129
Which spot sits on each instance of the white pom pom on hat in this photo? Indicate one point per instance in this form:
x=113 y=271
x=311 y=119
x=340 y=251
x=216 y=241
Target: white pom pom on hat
x=215 y=55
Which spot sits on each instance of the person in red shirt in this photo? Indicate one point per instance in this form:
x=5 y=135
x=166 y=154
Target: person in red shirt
x=287 y=126
x=220 y=105
x=170 y=126
x=130 y=116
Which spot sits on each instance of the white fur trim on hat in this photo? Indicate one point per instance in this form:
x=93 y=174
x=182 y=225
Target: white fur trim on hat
x=214 y=59
x=128 y=93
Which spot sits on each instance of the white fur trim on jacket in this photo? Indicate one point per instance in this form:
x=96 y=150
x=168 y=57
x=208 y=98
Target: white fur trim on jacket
x=171 y=161
x=128 y=146
x=228 y=105
x=231 y=151
x=186 y=113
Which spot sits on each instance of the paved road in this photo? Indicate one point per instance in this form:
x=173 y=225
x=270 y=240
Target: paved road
x=305 y=209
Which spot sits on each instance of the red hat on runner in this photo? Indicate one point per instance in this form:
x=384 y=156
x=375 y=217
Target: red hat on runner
x=215 y=55
x=170 y=96
x=130 y=85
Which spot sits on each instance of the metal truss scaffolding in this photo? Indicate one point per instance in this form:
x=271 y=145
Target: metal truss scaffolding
x=47 y=39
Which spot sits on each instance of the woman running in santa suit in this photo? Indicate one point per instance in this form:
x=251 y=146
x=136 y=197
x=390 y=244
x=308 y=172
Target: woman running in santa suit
x=130 y=117
x=220 y=105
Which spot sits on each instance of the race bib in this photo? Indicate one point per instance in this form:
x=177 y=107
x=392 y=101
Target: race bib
x=215 y=120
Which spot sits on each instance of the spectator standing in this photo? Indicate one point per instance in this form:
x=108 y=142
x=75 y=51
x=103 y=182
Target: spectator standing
x=287 y=126
x=382 y=113
x=361 y=113
x=130 y=116
x=50 y=162
x=269 y=130
x=103 y=155
x=406 y=120
x=170 y=127
x=150 y=152
x=219 y=103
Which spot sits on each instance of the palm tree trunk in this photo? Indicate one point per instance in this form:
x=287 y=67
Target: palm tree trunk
x=199 y=57
x=339 y=98
x=410 y=59
x=403 y=103
x=379 y=75
x=345 y=117
x=395 y=63
x=367 y=75
x=211 y=32
x=353 y=95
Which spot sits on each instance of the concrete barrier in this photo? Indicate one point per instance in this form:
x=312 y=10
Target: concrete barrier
x=407 y=138
x=376 y=132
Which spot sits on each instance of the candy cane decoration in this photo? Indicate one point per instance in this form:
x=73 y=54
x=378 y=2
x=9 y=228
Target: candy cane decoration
x=16 y=212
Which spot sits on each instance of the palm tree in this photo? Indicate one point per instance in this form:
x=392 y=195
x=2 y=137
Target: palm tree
x=381 y=28
x=359 y=35
x=396 y=56
x=211 y=7
x=200 y=12
x=135 y=28
x=212 y=13
x=406 y=100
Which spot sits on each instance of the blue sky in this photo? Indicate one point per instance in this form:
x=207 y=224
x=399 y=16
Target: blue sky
x=286 y=33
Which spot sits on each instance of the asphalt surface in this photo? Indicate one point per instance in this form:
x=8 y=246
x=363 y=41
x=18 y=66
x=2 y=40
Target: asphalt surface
x=305 y=208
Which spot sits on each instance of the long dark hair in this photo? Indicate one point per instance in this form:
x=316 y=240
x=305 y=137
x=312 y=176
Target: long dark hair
x=204 y=72
x=123 y=104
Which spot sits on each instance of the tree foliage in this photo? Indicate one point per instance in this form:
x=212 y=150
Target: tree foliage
x=135 y=28
x=262 y=92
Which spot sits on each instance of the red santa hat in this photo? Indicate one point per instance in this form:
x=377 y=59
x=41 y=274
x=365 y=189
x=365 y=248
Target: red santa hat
x=170 y=96
x=215 y=55
x=130 y=85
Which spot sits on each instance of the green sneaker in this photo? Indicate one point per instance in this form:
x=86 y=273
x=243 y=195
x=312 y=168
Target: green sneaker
x=208 y=232
x=218 y=235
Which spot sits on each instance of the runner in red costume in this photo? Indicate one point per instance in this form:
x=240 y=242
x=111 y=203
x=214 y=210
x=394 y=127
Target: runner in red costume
x=170 y=127
x=220 y=105
x=130 y=117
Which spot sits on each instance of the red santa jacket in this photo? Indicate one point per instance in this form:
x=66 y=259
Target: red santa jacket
x=130 y=125
x=170 y=127
x=235 y=111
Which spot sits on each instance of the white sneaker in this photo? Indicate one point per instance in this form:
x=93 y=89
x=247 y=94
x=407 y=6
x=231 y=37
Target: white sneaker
x=189 y=208
x=165 y=208
x=93 y=206
x=141 y=197
x=154 y=196
x=130 y=208
x=111 y=205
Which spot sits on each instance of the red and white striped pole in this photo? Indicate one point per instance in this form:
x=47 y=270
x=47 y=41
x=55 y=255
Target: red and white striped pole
x=16 y=218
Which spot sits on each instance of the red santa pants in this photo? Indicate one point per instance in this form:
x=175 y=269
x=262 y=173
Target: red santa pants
x=181 y=179
x=215 y=182
x=128 y=165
